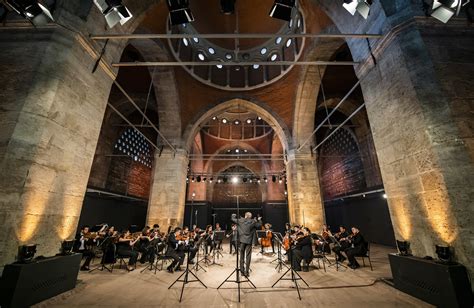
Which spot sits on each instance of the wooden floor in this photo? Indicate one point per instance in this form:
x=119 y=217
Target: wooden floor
x=344 y=288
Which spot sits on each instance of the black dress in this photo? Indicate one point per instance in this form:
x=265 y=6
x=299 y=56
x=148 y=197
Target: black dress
x=303 y=251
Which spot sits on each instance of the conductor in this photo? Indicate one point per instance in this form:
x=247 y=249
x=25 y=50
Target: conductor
x=246 y=228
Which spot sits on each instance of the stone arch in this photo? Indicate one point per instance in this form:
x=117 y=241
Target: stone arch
x=260 y=108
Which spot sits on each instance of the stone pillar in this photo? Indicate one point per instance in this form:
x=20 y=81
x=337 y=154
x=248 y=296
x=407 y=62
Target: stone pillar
x=50 y=116
x=168 y=190
x=426 y=165
x=304 y=193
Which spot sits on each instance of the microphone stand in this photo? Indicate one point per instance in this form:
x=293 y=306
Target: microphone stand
x=238 y=271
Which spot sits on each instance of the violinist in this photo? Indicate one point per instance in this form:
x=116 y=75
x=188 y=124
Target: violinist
x=218 y=244
x=341 y=236
x=180 y=243
x=358 y=246
x=233 y=238
x=172 y=251
x=125 y=249
x=209 y=241
x=323 y=245
x=303 y=250
x=144 y=245
x=83 y=244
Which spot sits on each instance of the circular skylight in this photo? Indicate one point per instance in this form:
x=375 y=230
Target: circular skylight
x=298 y=24
x=219 y=66
x=196 y=40
x=274 y=57
x=211 y=50
x=201 y=56
x=263 y=51
x=185 y=41
x=291 y=23
x=278 y=40
x=228 y=56
x=256 y=66
x=288 y=43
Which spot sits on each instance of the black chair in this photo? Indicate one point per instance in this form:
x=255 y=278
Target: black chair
x=161 y=256
x=320 y=257
x=366 y=255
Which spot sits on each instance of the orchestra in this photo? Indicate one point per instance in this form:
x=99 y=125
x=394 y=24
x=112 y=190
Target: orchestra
x=297 y=242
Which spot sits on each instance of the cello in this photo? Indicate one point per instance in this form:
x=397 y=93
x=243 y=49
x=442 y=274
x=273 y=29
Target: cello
x=267 y=240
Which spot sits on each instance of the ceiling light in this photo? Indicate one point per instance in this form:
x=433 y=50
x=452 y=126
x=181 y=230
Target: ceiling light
x=282 y=9
x=443 y=10
x=228 y=7
x=274 y=178
x=201 y=56
x=214 y=118
x=384 y=196
x=360 y=6
x=236 y=122
x=211 y=50
x=198 y=178
x=256 y=66
x=274 y=57
x=224 y=120
x=210 y=180
x=228 y=56
x=196 y=40
x=249 y=121
x=259 y=118
x=237 y=150
x=278 y=40
x=35 y=12
x=235 y=180
x=180 y=13
x=288 y=43
x=266 y=180
x=263 y=51
x=185 y=41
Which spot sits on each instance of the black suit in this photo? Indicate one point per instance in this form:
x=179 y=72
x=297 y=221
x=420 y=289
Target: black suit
x=303 y=251
x=246 y=228
x=172 y=251
x=358 y=247
x=86 y=251
x=344 y=245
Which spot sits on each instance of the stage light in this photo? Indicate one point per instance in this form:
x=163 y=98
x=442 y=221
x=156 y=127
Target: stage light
x=219 y=181
x=282 y=9
x=224 y=120
x=114 y=12
x=236 y=122
x=403 y=247
x=180 y=13
x=286 y=193
x=280 y=181
x=204 y=180
x=66 y=247
x=443 y=10
x=228 y=7
x=244 y=180
x=35 y=12
x=198 y=178
x=444 y=253
x=192 y=180
x=214 y=118
x=235 y=180
x=26 y=253
x=385 y=196
x=250 y=180
x=274 y=179
x=259 y=118
x=360 y=6
x=249 y=121
x=237 y=150
x=265 y=179
x=193 y=194
x=258 y=181
x=210 y=180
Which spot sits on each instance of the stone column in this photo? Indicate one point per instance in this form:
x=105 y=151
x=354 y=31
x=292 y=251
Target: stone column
x=50 y=116
x=168 y=190
x=413 y=104
x=304 y=193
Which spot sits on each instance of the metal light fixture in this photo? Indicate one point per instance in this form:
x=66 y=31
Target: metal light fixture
x=282 y=9
x=228 y=7
x=403 y=247
x=114 y=12
x=360 y=6
x=32 y=10
x=180 y=13
x=444 y=10
x=26 y=253
x=444 y=253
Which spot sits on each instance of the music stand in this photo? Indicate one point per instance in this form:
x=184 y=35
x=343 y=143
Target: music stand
x=238 y=271
x=198 y=245
x=261 y=234
x=294 y=275
x=152 y=265
x=279 y=259
x=337 y=244
x=186 y=280
x=218 y=237
x=104 y=246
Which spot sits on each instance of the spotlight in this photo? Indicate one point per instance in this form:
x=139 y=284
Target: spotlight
x=258 y=180
x=249 y=121
x=192 y=180
x=180 y=13
x=224 y=120
x=193 y=194
x=360 y=6
x=198 y=178
x=385 y=196
x=443 y=10
x=403 y=247
x=210 y=180
x=224 y=180
x=35 y=12
x=259 y=118
x=274 y=179
x=237 y=150
x=282 y=9
x=228 y=7
x=214 y=118
x=244 y=180
x=26 y=253
x=280 y=181
x=114 y=12
x=265 y=179
x=204 y=180
x=236 y=122
x=235 y=180
x=250 y=180
x=444 y=253
x=66 y=247
x=286 y=193
x=219 y=181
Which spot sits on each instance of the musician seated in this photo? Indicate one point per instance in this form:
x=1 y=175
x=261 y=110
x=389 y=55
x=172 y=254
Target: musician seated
x=177 y=246
x=358 y=247
x=83 y=244
x=218 y=244
x=209 y=239
x=144 y=245
x=303 y=250
x=125 y=249
x=341 y=237
x=323 y=245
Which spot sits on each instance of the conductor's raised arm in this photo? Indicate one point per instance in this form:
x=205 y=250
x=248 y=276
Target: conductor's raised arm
x=234 y=218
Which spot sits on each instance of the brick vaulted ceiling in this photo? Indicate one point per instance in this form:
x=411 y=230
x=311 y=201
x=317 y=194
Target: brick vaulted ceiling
x=195 y=96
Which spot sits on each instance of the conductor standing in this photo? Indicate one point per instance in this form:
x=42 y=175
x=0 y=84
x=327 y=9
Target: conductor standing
x=246 y=229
